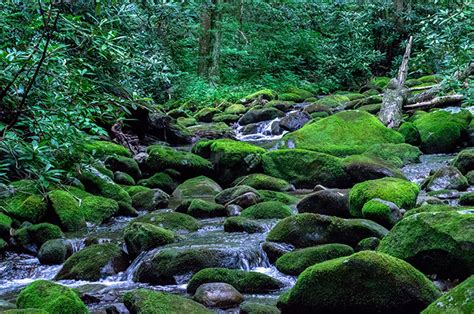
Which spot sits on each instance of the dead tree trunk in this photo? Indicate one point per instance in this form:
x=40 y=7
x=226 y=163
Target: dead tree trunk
x=395 y=93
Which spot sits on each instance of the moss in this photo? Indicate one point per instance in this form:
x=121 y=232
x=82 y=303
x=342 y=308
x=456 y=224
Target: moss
x=295 y=262
x=366 y=167
x=150 y=200
x=258 y=308
x=160 y=180
x=370 y=244
x=333 y=101
x=242 y=224
x=93 y=263
x=264 y=182
x=51 y=297
x=212 y=130
x=290 y=97
x=67 y=209
x=104 y=148
x=458 y=300
x=226 y=118
x=258 y=115
x=102 y=169
x=54 y=251
x=161 y=158
x=124 y=164
x=372 y=108
x=229 y=194
x=132 y=190
x=37 y=234
x=307 y=229
x=445 y=247
x=206 y=114
x=140 y=237
x=230 y=158
x=429 y=79
x=302 y=93
x=30 y=208
x=401 y=192
x=344 y=133
x=266 y=94
x=97 y=209
x=431 y=209
x=464 y=161
x=380 y=82
x=123 y=178
x=24 y=311
x=198 y=187
x=267 y=210
x=243 y=281
x=143 y=301
x=446 y=178
x=467 y=199
x=236 y=109
x=368 y=282
x=398 y=154
x=441 y=131
x=185 y=122
x=278 y=196
x=5 y=225
x=385 y=213
x=205 y=209
x=171 y=220
x=305 y=168
x=410 y=132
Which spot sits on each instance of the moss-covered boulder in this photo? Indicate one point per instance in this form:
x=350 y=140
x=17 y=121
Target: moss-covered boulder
x=342 y=134
x=410 y=132
x=94 y=262
x=362 y=168
x=160 y=180
x=284 y=198
x=400 y=192
x=435 y=243
x=235 y=109
x=25 y=207
x=258 y=115
x=383 y=212
x=365 y=282
x=171 y=220
x=54 y=251
x=50 y=297
x=32 y=237
x=143 y=301
x=164 y=266
x=123 y=178
x=331 y=202
x=161 y=158
x=295 y=262
x=206 y=114
x=303 y=230
x=446 y=178
x=150 y=200
x=198 y=187
x=97 y=209
x=440 y=131
x=67 y=209
x=230 y=158
x=124 y=164
x=243 y=281
x=105 y=148
x=5 y=226
x=459 y=300
x=267 y=210
x=205 y=209
x=369 y=244
x=397 y=154
x=263 y=94
x=305 y=168
x=25 y=311
x=232 y=193
x=226 y=118
x=242 y=224
x=467 y=199
x=142 y=236
x=464 y=161
x=261 y=181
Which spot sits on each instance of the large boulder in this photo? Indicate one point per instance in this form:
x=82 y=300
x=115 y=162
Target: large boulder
x=295 y=262
x=267 y=210
x=24 y=206
x=230 y=194
x=242 y=224
x=32 y=237
x=331 y=202
x=441 y=131
x=457 y=300
x=124 y=164
x=464 y=161
x=218 y=295
x=170 y=220
x=54 y=251
x=446 y=178
x=231 y=159
x=165 y=128
x=150 y=200
x=67 y=210
x=50 y=297
x=365 y=282
x=305 y=168
x=401 y=192
x=94 y=262
x=303 y=230
x=362 y=168
x=142 y=236
x=143 y=301
x=105 y=148
x=198 y=187
x=344 y=133
x=258 y=115
x=294 y=121
x=434 y=242
x=262 y=181
x=243 y=281
x=160 y=180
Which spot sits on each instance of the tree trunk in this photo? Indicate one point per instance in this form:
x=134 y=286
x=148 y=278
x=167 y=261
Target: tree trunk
x=210 y=40
x=205 y=40
x=437 y=102
x=395 y=94
x=216 y=17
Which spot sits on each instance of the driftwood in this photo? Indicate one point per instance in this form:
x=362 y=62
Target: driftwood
x=395 y=93
x=437 y=102
x=129 y=141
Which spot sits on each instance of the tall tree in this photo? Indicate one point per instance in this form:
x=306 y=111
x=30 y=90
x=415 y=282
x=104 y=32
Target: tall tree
x=210 y=40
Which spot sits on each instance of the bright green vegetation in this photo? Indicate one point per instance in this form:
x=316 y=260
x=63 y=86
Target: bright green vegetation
x=140 y=236
x=264 y=182
x=96 y=209
x=160 y=180
x=171 y=220
x=342 y=134
x=242 y=224
x=123 y=164
x=366 y=281
x=445 y=246
x=50 y=297
x=37 y=234
x=105 y=148
x=278 y=196
x=458 y=300
x=30 y=208
x=401 y=192
x=161 y=158
x=267 y=210
x=398 y=154
x=54 y=251
x=295 y=262
x=142 y=301
x=243 y=281
x=67 y=209
x=258 y=308
x=205 y=209
x=464 y=161
x=198 y=187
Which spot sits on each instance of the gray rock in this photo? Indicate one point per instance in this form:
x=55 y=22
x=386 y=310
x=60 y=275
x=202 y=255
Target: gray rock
x=294 y=120
x=218 y=294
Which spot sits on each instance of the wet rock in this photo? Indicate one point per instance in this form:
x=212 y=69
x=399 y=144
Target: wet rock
x=54 y=251
x=331 y=202
x=123 y=178
x=245 y=200
x=50 y=297
x=258 y=308
x=241 y=224
x=215 y=130
x=243 y=281
x=219 y=295
x=267 y=210
x=369 y=244
x=362 y=168
x=160 y=180
x=295 y=262
x=199 y=187
x=261 y=181
x=205 y=209
x=166 y=128
x=275 y=250
x=170 y=220
x=228 y=195
x=124 y=164
x=320 y=288
x=434 y=242
x=150 y=200
x=294 y=121
x=258 y=115
x=464 y=161
x=149 y=301
x=447 y=178
x=383 y=212
x=457 y=300
x=284 y=198
x=206 y=114
x=233 y=210
x=140 y=237
x=94 y=262
x=304 y=230
x=32 y=237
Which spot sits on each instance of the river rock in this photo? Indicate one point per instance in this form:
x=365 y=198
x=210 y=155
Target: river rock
x=170 y=220
x=367 y=244
x=367 y=282
x=206 y=114
x=383 y=212
x=150 y=200
x=262 y=181
x=258 y=308
x=205 y=209
x=166 y=128
x=362 y=168
x=160 y=180
x=67 y=209
x=243 y=281
x=230 y=194
x=464 y=161
x=198 y=187
x=141 y=236
x=54 y=251
x=94 y=262
x=275 y=250
x=456 y=300
x=141 y=301
x=242 y=224
x=331 y=202
x=124 y=164
x=258 y=115
x=218 y=295
x=434 y=242
x=447 y=178
x=32 y=237
x=303 y=230
x=267 y=210
x=294 y=121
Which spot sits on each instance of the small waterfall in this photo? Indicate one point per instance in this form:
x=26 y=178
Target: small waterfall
x=264 y=131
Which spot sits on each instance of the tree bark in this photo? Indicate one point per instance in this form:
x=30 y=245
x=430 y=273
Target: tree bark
x=205 y=41
x=437 y=102
x=210 y=40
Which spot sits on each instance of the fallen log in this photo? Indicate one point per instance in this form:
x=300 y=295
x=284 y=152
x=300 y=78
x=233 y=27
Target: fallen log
x=437 y=102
